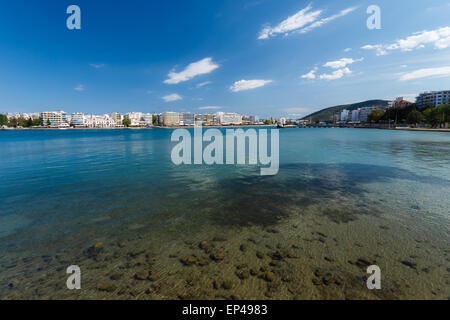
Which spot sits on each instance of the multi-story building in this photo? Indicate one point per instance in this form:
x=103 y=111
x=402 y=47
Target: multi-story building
x=77 y=119
x=187 y=119
x=344 y=115
x=435 y=98
x=229 y=118
x=135 y=118
x=147 y=120
x=355 y=115
x=170 y=119
x=117 y=117
x=54 y=118
x=366 y=111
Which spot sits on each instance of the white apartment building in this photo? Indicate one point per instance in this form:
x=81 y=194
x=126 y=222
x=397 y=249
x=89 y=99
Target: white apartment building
x=229 y=118
x=355 y=115
x=366 y=111
x=135 y=118
x=344 y=115
x=436 y=98
x=77 y=119
x=54 y=118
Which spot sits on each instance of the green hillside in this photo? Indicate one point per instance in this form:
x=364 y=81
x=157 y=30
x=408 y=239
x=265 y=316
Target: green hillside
x=327 y=114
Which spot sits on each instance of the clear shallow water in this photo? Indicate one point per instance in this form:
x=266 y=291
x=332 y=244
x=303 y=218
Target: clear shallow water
x=340 y=195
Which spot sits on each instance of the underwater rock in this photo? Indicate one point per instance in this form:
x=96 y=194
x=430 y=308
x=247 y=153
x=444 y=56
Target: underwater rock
x=217 y=256
x=188 y=260
x=142 y=275
x=270 y=276
x=205 y=245
x=227 y=284
x=95 y=250
x=260 y=254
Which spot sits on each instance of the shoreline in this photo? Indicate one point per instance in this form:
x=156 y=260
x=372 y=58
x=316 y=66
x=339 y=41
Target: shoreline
x=139 y=128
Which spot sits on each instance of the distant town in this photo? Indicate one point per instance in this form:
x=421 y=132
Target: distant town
x=431 y=109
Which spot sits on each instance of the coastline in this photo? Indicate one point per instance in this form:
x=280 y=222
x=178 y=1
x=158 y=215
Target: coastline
x=141 y=128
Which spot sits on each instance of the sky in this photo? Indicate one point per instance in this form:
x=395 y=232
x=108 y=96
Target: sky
x=256 y=57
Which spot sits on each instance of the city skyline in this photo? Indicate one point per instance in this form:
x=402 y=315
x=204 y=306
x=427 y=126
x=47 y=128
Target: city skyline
x=250 y=60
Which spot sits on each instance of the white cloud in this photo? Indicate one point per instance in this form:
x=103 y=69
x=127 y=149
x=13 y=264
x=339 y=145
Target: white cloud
x=97 y=66
x=378 y=47
x=335 y=74
x=242 y=85
x=347 y=49
x=310 y=75
x=303 y=21
x=338 y=64
x=439 y=38
x=210 y=108
x=297 y=21
x=194 y=69
x=80 y=87
x=172 y=97
x=326 y=20
x=426 y=73
x=203 y=84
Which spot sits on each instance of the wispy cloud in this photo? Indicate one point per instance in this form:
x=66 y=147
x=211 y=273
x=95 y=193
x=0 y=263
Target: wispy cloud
x=338 y=64
x=203 y=84
x=210 y=108
x=97 y=66
x=243 y=85
x=295 y=22
x=79 y=87
x=302 y=22
x=335 y=74
x=323 y=21
x=347 y=49
x=194 y=69
x=172 y=97
x=426 y=73
x=439 y=38
x=310 y=75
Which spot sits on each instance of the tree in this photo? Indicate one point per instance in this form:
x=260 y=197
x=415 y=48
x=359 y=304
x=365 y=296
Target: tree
x=375 y=115
x=126 y=122
x=48 y=122
x=415 y=117
x=29 y=122
x=3 y=120
x=155 y=120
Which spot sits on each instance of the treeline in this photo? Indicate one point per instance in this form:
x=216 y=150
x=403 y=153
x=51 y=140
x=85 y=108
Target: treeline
x=433 y=116
x=19 y=122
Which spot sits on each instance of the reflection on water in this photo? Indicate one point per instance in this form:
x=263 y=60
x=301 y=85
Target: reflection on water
x=341 y=197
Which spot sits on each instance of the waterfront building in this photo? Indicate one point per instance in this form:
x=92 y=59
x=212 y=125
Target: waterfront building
x=187 y=119
x=135 y=118
x=366 y=111
x=54 y=118
x=117 y=117
x=77 y=119
x=355 y=115
x=344 y=115
x=435 y=98
x=229 y=118
x=147 y=120
x=170 y=119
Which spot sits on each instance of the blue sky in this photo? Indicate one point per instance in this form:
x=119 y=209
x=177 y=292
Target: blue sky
x=255 y=57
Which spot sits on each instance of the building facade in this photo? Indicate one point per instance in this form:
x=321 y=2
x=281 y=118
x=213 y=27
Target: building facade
x=170 y=119
x=435 y=98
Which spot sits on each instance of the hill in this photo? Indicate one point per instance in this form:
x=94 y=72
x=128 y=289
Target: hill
x=327 y=114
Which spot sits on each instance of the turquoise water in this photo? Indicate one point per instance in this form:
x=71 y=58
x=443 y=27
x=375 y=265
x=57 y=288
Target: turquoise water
x=63 y=191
